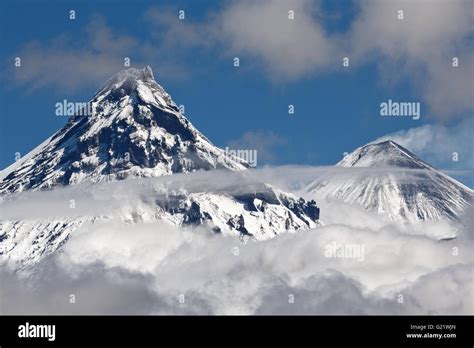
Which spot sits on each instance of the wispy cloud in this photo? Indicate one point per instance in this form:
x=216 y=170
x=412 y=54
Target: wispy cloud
x=111 y=197
x=445 y=146
x=418 y=48
x=65 y=63
x=266 y=143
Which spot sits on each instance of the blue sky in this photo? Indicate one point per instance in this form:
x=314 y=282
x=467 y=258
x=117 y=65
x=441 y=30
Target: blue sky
x=336 y=109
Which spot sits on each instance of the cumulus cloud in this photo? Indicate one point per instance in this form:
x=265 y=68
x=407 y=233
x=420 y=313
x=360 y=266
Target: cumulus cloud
x=420 y=48
x=259 y=33
x=152 y=268
x=438 y=288
x=115 y=267
x=288 y=48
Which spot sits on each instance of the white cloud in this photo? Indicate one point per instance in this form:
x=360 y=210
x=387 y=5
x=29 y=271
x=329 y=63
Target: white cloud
x=288 y=48
x=447 y=290
x=266 y=144
x=116 y=267
x=67 y=64
x=112 y=197
x=419 y=48
x=151 y=265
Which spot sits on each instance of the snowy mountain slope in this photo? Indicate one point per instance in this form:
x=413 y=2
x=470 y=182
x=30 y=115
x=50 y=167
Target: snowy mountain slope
x=260 y=213
x=390 y=180
x=135 y=130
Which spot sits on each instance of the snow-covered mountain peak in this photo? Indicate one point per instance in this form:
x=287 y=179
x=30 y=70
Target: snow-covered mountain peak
x=391 y=180
x=383 y=154
x=145 y=74
x=132 y=129
x=137 y=83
